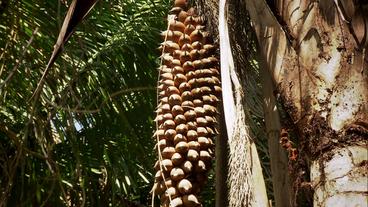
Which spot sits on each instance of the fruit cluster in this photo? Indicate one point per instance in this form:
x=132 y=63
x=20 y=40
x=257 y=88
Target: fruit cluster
x=189 y=91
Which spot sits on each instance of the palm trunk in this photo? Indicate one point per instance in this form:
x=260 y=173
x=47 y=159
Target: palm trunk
x=319 y=63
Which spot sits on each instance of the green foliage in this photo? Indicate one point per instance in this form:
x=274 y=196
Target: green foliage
x=86 y=140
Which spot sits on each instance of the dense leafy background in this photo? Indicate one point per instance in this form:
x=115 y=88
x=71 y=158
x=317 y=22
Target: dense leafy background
x=86 y=140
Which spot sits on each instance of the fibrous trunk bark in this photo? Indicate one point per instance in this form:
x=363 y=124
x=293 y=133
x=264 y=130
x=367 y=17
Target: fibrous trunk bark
x=316 y=52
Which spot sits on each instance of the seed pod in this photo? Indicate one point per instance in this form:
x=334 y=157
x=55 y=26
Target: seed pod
x=179 y=138
x=197 y=103
x=175 y=62
x=167 y=116
x=182 y=16
x=192 y=125
x=169 y=124
x=186 y=96
x=178 y=70
x=174 y=99
x=168 y=152
x=189 y=29
x=203 y=142
x=182 y=129
x=160 y=134
x=206 y=90
x=187 y=47
x=167 y=76
x=176 y=202
x=196 y=35
x=177 y=110
x=170 y=134
x=179 y=78
x=185 y=57
x=194 y=145
x=190 y=115
x=180 y=119
x=177 y=159
x=184 y=87
x=202 y=132
x=201 y=121
x=197 y=64
x=192 y=135
x=200 y=167
x=190 y=200
x=184 y=39
x=205 y=156
x=169 y=47
x=190 y=20
x=180 y=3
x=167 y=165
x=187 y=167
x=197 y=45
x=176 y=26
x=194 y=54
x=172 y=90
x=199 y=111
x=188 y=66
x=185 y=186
x=187 y=105
x=192 y=155
x=177 y=174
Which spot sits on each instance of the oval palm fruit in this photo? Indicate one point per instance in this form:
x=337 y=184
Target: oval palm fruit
x=197 y=64
x=176 y=35
x=184 y=87
x=202 y=132
x=210 y=120
x=200 y=167
x=178 y=79
x=180 y=119
x=177 y=174
x=185 y=56
x=169 y=124
x=187 y=167
x=190 y=200
x=186 y=47
x=160 y=134
x=167 y=165
x=196 y=35
x=196 y=92
x=176 y=54
x=194 y=54
x=185 y=186
x=180 y=3
x=190 y=20
x=187 y=105
x=162 y=144
x=177 y=159
x=193 y=82
x=201 y=121
x=205 y=156
x=199 y=111
x=176 y=26
x=203 y=142
x=181 y=128
x=197 y=45
x=211 y=132
x=174 y=99
x=209 y=48
x=175 y=62
x=171 y=192
x=177 y=110
x=203 y=53
x=170 y=46
x=192 y=125
x=209 y=110
x=192 y=155
x=190 y=115
x=179 y=138
x=170 y=134
x=218 y=90
x=186 y=96
x=168 y=152
x=158 y=176
x=197 y=103
x=168 y=35
x=172 y=90
x=184 y=39
x=189 y=29
x=190 y=75
x=167 y=76
x=192 y=135
x=167 y=116
x=168 y=83
x=175 y=10
x=188 y=66
x=177 y=70
x=182 y=16
x=194 y=145
x=159 y=119
x=176 y=202
x=206 y=90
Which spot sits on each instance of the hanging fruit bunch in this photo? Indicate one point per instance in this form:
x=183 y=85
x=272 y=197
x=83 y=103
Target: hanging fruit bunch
x=188 y=95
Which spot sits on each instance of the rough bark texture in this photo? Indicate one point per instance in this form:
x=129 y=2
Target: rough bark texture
x=316 y=52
